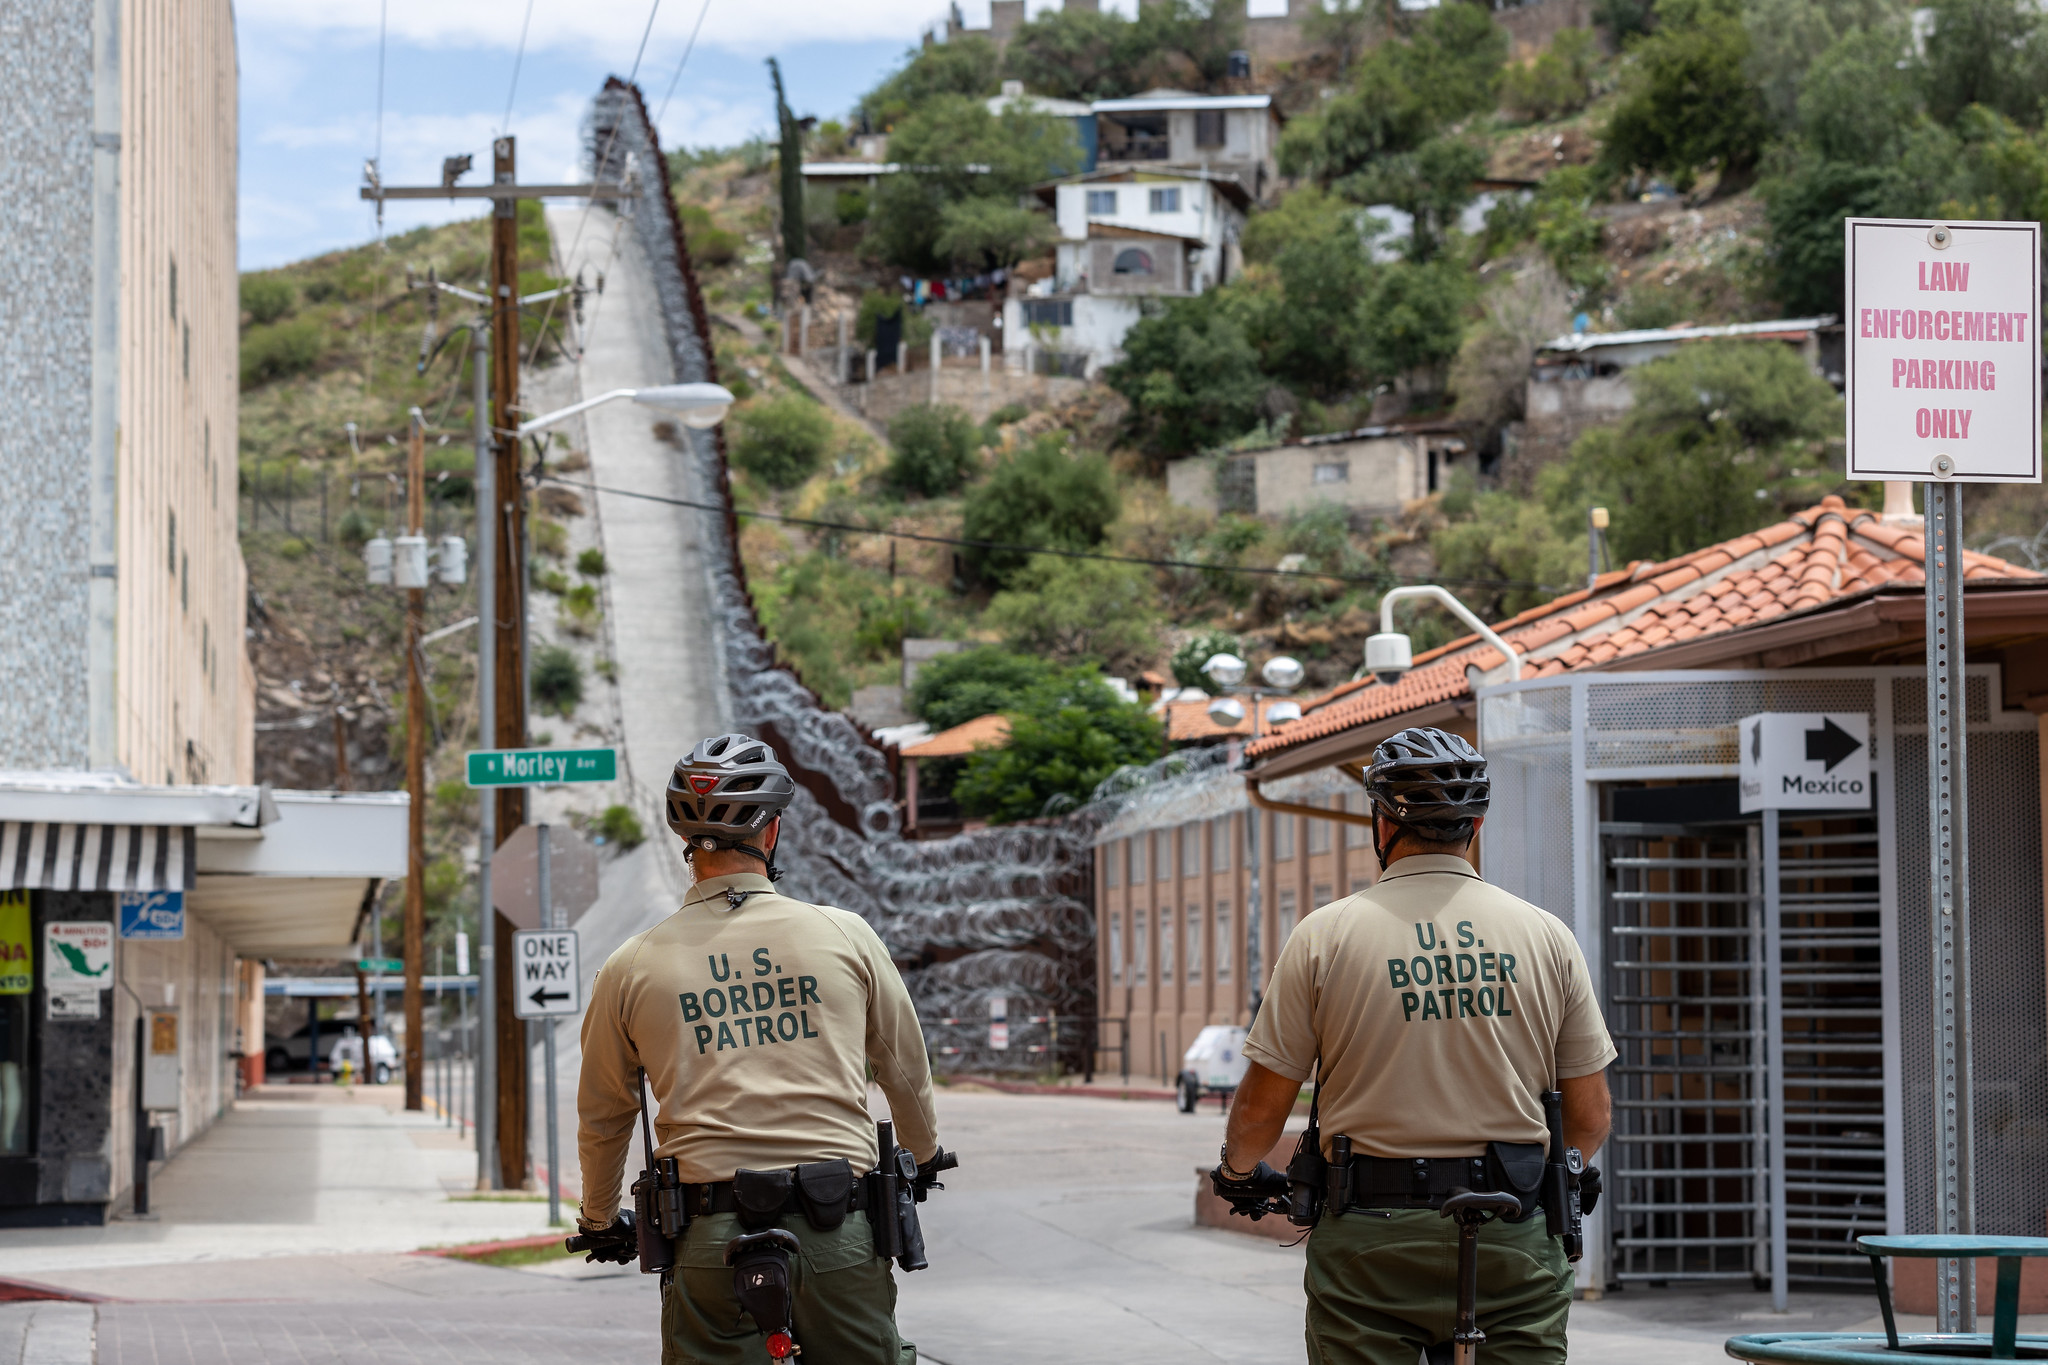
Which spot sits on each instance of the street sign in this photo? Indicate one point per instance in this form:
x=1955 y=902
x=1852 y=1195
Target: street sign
x=79 y=956
x=152 y=914
x=1944 y=356
x=1805 y=760
x=380 y=965
x=541 y=767
x=515 y=876
x=545 y=983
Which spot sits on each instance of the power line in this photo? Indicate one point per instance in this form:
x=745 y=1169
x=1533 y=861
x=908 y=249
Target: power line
x=383 y=7
x=518 y=57
x=1369 y=580
x=676 y=79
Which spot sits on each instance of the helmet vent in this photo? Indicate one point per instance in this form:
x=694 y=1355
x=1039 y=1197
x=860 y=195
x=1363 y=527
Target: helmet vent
x=717 y=746
x=751 y=782
x=717 y=816
x=745 y=815
x=752 y=756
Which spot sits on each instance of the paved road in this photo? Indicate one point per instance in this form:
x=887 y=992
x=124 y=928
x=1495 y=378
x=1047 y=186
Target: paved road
x=1066 y=1236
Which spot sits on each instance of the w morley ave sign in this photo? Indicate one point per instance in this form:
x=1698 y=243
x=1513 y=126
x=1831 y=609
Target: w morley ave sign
x=1944 y=354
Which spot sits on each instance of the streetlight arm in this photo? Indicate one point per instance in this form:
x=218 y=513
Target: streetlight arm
x=548 y=419
x=701 y=405
x=1459 y=609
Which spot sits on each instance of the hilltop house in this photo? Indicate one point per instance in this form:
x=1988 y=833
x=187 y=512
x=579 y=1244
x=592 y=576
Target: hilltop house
x=1125 y=235
x=1228 y=134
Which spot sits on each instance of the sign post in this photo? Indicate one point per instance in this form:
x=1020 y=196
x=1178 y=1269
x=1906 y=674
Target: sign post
x=1944 y=376
x=547 y=986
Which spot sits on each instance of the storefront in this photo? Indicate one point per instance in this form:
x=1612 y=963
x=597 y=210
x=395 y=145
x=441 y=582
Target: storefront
x=134 y=924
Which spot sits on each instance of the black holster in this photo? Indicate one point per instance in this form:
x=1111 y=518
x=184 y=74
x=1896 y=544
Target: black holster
x=658 y=1215
x=1518 y=1168
x=892 y=1202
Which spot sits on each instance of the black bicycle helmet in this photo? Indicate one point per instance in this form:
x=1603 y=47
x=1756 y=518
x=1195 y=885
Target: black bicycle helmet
x=726 y=791
x=1429 y=781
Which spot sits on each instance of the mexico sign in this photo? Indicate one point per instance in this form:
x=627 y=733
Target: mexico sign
x=1804 y=760
x=1943 y=359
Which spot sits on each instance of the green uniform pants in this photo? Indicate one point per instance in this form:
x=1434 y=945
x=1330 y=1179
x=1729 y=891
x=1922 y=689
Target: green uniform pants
x=1383 y=1285
x=843 y=1299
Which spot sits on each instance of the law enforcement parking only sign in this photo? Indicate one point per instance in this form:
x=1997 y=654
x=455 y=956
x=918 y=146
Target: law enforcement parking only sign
x=1943 y=367
x=1805 y=760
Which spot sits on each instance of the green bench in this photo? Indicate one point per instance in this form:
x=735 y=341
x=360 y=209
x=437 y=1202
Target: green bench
x=1933 y=1348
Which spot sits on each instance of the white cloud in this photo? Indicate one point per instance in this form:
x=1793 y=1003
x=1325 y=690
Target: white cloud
x=609 y=27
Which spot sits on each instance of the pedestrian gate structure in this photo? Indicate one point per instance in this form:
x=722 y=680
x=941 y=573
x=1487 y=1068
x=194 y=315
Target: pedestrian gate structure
x=1767 y=977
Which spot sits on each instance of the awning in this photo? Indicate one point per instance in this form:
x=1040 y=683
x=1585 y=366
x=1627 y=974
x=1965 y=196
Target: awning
x=96 y=857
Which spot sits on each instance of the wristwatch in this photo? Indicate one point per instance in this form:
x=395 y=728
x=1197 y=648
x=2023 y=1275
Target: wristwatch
x=1230 y=1172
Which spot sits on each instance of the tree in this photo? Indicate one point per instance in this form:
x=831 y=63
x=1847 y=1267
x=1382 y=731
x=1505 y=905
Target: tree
x=1190 y=374
x=1078 y=54
x=1079 y=611
x=1988 y=52
x=988 y=234
x=1687 y=101
x=1431 y=184
x=953 y=150
x=791 y=172
x=963 y=65
x=1415 y=318
x=1341 y=28
x=1202 y=33
x=780 y=440
x=1309 y=330
x=933 y=449
x=1559 y=80
x=956 y=688
x=1039 y=496
x=1804 y=207
x=1066 y=737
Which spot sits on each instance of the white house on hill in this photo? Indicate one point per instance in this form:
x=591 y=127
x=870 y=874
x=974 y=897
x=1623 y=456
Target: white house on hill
x=1125 y=236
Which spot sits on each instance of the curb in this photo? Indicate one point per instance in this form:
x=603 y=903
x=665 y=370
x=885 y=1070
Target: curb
x=25 y=1291
x=469 y=1251
x=1093 y=1092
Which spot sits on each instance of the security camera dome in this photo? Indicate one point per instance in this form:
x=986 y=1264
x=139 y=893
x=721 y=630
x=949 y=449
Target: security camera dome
x=1388 y=657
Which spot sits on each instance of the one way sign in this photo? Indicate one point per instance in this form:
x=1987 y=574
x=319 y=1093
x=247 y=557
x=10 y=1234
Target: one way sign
x=1805 y=760
x=545 y=980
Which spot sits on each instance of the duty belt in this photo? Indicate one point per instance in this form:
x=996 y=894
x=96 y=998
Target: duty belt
x=1422 y=1182
x=717 y=1197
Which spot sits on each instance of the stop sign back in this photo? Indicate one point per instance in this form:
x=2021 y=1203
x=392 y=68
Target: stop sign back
x=1944 y=353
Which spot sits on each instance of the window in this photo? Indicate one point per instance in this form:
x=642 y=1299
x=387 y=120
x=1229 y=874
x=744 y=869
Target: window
x=1137 y=847
x=1219 y=843
x=1111 y=856
x=1116 y=947
x=174 y=289
x=1139 y=957
x=1336 y=471
x=1191 y=850
x=1283 y=838
x=1166 y=201
x=1285 y=930
x=1359 y=884
x=1165 y=944
x=1223 y=944
x=1162 y=855
x=1133 y=260
x=1208 y=127
x=1252 y=941
x=1194 y=953
x=1322 y=895
x=1048 y=312
x=1318 y=836
x=1356 y=836
x=1101 y=203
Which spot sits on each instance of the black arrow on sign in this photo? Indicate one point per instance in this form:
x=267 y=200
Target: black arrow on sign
x=542 y=995
x=1830 y=744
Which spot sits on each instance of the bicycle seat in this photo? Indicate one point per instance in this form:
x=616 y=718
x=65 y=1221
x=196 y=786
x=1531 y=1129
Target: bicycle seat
x=1475 y=1207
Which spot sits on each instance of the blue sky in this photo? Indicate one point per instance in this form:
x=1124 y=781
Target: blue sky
x=309 y=91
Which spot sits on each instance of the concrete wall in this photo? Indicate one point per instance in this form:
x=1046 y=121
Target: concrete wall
x=1376 y=475
x=1556 y=413
x=171 y=698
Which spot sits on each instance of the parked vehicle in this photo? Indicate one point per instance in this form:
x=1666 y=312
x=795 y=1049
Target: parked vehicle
x=1213 y=1065
x=338 y=1042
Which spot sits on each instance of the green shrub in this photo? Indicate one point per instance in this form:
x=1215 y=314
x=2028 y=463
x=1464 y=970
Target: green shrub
x=353 y=530
x=875 y=304
x=782 y=440
x=320 y=291
x=549 y=579
x=1006 y=414
x=280 y=351
x=1066 y=736
x=933 y=450
x=955 y=688
x=1559 y=81
x=619 y=825
x=1189 y=658
x=850 y=207
x=550 y=537
x=709 y=243
x=266 y=298
x=591 y=563
x=557 y=679
x=580 y=609
x=1040 y=496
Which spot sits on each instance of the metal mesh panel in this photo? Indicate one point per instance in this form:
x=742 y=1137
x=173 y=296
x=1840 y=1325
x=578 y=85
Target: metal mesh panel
x=1634 y=725
x=1909 y=700
x=1526 y=847
x=2009 y=1022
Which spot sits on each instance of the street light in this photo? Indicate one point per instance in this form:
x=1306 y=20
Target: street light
x=1281 y=674
x=1390 y=654
x=700 y=406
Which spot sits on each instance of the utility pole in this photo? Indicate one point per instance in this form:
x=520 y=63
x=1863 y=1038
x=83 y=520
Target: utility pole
x=415 y=778
x=501 y=626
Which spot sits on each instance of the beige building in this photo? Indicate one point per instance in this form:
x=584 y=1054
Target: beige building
x=1374 y=471
x=144 y=877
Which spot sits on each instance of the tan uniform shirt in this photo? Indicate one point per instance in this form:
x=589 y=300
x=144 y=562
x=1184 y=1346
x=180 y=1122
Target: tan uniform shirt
x=756 y=1024
x=1441 y=1007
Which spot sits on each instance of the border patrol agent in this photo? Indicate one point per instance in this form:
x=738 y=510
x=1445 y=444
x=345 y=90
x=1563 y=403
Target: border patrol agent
x=755 y=1016
x=1436 y=1009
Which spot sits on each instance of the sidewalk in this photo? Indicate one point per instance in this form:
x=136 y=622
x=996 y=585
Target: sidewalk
x=289 y=1171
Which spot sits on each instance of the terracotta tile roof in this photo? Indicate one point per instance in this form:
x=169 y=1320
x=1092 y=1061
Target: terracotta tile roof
x=1188 y=722
x=983 y=732
x=1819 y=556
